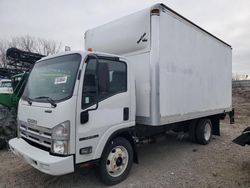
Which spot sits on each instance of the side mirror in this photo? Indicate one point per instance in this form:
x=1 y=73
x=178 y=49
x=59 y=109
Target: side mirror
x=84 y=117
x=96 y=96
x=92 y=94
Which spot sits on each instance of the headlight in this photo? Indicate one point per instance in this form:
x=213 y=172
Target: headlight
x=59 y=147
x=60 y=138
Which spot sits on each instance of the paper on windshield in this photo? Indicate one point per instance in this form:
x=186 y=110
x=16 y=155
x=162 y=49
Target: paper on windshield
x=61 y=80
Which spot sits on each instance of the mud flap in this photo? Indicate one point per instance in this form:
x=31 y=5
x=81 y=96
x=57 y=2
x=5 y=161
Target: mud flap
x=231 y=116
x=192 y=130
x=2 y=142
x=216 y=125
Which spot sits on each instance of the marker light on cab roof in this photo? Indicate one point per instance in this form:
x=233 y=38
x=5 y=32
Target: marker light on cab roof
x=90 y=49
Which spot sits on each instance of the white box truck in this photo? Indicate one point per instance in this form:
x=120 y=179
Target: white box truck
x=150 y=72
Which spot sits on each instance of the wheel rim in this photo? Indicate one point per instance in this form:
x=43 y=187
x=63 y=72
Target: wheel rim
x=207 y=131
x=117 y=161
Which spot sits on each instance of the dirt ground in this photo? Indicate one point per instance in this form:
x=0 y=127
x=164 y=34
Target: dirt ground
x=170 y=162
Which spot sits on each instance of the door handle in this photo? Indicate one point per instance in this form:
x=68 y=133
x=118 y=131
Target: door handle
x=125 y=113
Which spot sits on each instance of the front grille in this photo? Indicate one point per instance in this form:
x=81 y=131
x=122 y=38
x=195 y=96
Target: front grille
x=37 y=145
x=36 y=134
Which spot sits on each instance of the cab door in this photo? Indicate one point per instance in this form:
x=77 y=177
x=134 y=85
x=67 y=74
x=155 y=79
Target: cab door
x=104 y=104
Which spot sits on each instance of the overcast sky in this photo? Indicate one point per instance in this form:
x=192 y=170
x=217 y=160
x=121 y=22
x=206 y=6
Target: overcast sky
x=66 y=21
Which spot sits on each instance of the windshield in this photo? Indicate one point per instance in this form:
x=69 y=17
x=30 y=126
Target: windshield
x=53 y=78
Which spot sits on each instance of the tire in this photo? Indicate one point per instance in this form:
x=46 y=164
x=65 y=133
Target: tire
x=204 y=131
x=116 y=161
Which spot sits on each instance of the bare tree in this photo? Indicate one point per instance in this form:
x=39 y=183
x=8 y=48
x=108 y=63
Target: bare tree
x=47 y=47
x=3 y=47
x=30 y=44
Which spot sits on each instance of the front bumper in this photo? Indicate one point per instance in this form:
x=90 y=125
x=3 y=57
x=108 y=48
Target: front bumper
x=41 y=159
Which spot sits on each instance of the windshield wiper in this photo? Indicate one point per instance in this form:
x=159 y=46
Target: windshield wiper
x=51 y=101
x=28 y=100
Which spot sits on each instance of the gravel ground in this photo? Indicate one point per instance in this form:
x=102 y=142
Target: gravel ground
x=170 y=162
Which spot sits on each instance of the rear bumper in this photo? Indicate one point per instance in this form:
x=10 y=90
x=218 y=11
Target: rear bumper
x=41 y=159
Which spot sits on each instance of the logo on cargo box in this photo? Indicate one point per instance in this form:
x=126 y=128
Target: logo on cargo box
x=142 y=38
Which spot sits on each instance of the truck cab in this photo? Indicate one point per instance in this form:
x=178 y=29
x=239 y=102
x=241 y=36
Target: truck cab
x=73 y=106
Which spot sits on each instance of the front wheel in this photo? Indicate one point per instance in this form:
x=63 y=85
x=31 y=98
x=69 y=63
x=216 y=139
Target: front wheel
x=116 y=161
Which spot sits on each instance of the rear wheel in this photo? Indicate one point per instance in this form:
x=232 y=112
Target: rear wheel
x=116 y=161
x=204 y=131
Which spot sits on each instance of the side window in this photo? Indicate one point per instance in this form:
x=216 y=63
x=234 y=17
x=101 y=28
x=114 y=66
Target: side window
x=112 y=77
